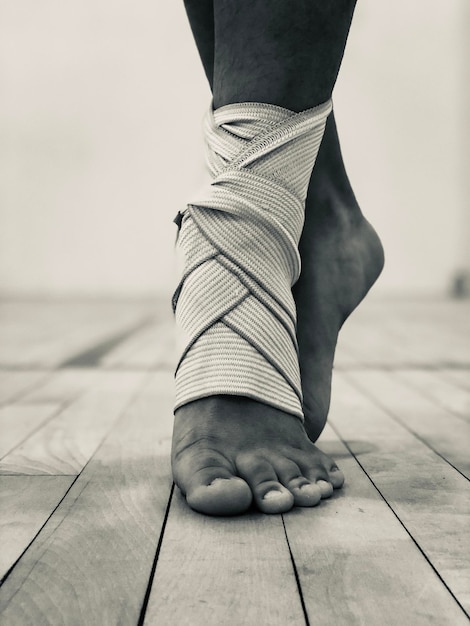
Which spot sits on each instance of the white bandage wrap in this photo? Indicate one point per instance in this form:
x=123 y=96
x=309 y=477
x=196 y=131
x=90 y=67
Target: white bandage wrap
x=239 y=241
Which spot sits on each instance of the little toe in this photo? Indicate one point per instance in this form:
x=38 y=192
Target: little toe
x=336 y=477
x=269 y=494
x=321 y=469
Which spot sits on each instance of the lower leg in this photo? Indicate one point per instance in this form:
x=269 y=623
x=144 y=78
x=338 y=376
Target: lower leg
x=278 y=52
x=333 y=223
x=270 y=63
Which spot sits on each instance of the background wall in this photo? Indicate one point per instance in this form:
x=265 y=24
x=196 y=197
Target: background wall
x=100 y=112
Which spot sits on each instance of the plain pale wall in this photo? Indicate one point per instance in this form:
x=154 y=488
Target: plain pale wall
x=100 y=141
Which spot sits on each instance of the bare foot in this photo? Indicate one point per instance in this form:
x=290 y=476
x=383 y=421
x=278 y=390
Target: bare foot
x=341 y=259
x=230 y=451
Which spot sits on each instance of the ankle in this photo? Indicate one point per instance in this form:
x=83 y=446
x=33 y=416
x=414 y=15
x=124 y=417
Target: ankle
x=332 y=202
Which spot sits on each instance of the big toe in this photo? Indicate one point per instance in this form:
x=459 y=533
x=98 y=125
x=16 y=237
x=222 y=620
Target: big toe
x=206 y=479
x=223 y=495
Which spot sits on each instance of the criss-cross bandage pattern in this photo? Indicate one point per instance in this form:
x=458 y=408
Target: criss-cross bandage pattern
x=239 y=243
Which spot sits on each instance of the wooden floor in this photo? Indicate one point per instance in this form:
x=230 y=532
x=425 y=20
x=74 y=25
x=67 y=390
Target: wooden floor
x=93 y=533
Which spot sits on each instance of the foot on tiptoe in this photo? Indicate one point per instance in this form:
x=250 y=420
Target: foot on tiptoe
x=230 y=451
x=342 y=257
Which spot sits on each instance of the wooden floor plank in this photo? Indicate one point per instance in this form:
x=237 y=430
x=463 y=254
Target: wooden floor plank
x=214 y=571
x=92 y=561
x=161 y=355
x=66 y=443
x=27 y=328
x=460 y=378
x=345 y=357
x=444 y=393
x=59 y=331
x=117 y=357
x=26 y=502
x=18 y=421
x=151 y=348
x=443 y=432
x=430 y=497
x=375 y=345
x=357 y=564
x=62 y=387
x=410 y=334
x=13 y=385
x=392 y=547
x=60 y=348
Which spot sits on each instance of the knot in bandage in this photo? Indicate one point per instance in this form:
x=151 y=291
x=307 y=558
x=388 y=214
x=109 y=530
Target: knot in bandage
x=239 y=241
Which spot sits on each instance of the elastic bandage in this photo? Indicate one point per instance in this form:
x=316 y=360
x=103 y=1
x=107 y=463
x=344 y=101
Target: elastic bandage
x=239 y=243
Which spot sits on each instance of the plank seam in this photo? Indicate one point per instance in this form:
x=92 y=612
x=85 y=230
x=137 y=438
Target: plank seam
x=10 y=570
x=436 y=401
x=34 y=431
x=118 y=417
x=63 y=406
x=399 y=520
x=148 y=591
x=398 y=421
x=296 y=575
x=91 y=357
x=48 y=374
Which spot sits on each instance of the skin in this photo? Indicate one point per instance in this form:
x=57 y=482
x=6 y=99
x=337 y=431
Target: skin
x=230 y=452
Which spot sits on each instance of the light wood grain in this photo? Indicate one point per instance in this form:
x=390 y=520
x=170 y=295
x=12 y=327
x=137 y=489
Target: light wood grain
x=460 y=378
x=405 y=333
x=431 y=499
x=442 y=431
x=92 y=561
x=66 y=443
x=375 y=345
x=119 y=355
x=29 y=328
x=151 y=348
x=26 y=502
x=60 y=348
x=62 y=387
x=391 y=548
x=20 y=420
x=357 y=564
x=13 y=385
x=46 y=334
x=436 y=387
x=214 y=571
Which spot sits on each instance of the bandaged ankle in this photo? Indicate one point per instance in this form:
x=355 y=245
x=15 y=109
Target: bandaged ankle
x=234 y=305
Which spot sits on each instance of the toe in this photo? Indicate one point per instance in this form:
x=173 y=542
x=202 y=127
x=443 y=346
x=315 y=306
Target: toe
x=313 y=468
x=209 y=484
x=304 y=491
x=336 y=477
x=269 y=494
x=325 y=487
x=222 y=496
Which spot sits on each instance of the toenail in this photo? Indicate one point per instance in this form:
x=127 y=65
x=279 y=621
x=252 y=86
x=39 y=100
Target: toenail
x=273 y=493
x=216 y=481
x=325 y=487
